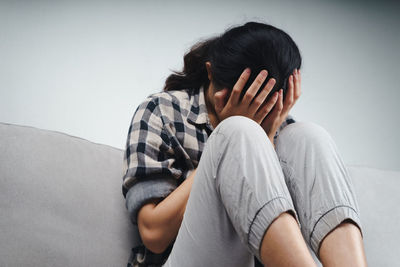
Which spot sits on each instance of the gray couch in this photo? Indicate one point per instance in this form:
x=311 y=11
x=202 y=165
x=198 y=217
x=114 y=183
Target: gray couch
x=61 y=203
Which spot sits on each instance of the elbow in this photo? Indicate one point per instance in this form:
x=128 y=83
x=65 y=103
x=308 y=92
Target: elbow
x=152 y=239
x=151 y=230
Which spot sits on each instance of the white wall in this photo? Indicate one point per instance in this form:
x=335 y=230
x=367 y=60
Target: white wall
x=82 y=67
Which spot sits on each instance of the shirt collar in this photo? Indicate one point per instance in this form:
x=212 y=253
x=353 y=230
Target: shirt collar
x=198 y=110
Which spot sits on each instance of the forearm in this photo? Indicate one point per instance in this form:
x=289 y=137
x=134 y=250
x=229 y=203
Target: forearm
x=167 y=215
x=169 y=212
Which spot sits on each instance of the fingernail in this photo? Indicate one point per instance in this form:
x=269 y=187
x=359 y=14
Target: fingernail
x=247 y=70
x=264 y=73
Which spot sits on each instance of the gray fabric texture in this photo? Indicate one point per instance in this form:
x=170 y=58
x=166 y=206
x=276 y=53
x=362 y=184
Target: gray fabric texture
x=378 y=197
x=231 y=202
x=319 y=183
x=61 y=203
x=240 y=187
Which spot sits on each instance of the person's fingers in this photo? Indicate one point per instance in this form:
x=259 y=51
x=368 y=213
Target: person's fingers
x=252 y=91
x=259 y=100
x=272 y=121
x=288 y=103
x=297 y=85
x=299 y=76
x=280 y=101
x=266 y=108
x=278 y=106
x=238 y=87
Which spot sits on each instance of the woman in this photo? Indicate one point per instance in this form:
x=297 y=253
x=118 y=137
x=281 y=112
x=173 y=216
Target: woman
x=261 y=185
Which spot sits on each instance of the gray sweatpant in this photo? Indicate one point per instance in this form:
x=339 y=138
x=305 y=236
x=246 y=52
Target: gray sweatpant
x=242 y=184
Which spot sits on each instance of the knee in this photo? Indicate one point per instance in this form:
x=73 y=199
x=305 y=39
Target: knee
x=234 y=126
x=303 y=132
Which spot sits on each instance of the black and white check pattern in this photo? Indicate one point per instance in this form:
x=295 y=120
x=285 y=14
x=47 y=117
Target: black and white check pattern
x=166 y=137
x=165 y=141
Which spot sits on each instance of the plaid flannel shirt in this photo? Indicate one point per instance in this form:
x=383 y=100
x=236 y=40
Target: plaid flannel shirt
x=165 y=141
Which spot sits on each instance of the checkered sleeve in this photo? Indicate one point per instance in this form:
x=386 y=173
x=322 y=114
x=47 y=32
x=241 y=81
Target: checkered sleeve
x=148 y=159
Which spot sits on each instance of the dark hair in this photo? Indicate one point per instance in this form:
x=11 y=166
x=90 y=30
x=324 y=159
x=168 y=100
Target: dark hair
x=255 y=45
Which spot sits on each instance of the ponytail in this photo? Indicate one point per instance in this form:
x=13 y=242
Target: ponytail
x=194 y=74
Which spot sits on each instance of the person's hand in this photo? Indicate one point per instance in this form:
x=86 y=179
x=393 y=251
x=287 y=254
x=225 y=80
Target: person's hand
x=273 y=121
x=249 y=106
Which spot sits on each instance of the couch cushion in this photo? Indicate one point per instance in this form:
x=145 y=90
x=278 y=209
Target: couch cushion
x=61 y=202
x=378 y=196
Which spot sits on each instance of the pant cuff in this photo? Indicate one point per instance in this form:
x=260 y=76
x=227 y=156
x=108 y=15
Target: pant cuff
x=263 y=219
x=329 y=221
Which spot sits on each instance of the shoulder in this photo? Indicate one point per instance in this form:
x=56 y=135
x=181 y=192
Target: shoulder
x=165 y=105
x=171 y=98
